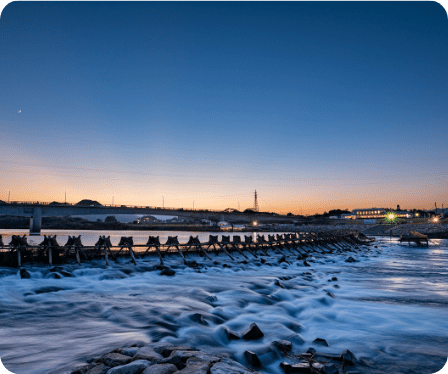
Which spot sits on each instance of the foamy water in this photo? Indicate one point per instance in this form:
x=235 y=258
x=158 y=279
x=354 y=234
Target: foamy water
x=390 y=307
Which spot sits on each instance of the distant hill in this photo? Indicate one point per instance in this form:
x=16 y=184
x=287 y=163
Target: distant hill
x=87 y=202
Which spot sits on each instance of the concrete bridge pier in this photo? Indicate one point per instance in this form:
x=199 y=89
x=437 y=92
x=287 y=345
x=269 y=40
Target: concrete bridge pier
x=36 y=221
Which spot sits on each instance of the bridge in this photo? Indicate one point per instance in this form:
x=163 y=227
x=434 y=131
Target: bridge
x=37 y=210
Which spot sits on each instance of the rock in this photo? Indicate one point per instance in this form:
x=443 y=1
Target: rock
x=115 y=359
x=330 y=369
x=129 y=351
x=228 y=366
x=199 y=318
x=196 y=366
x=82 y=369
x=282 y=259
x=331 y=294
x=350 y=259
x=186 y=355
x=147 y=353
x=24 y=274
x=348 y=358
x=302 y=367
x=277 y=283
x=284 y=345
x=306 y=263
x=165 y=351
x=311 y=350
x=212 y=299
x=160 y=369
x=191 y=264
x=168 y=271
x=99 y=369
x=262 y=260
x=334 y=279
x=320 y=341
x=53 y=276
x=134 y=367
x=175 y=360
x=66 y=273
x=231 y=335
x=252 y=358
x=252 y=333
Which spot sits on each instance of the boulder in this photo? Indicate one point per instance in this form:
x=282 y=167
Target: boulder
x=306 y=263
x=131 y=351
x=98 y=369
x=302 y=367
x=277 y=283
x=186 y=355
x=350 y=259
x=212 y=299
x=160 y=369
x=115 y=359
x=231 y=335
x=196 y=366
x=348 y=358
x=284 y=345
x=330 y=369
x=282 y=259
x=320 y=341
x=165 y=351
x=252 y=333
x=24 y=274
x=134 y=367
x=167 y=271
x=147 y=353
x=199 y=318
x=252 y=358
x=228 y=366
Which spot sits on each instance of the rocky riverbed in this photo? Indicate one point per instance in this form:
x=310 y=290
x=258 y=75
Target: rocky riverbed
x=165 y=358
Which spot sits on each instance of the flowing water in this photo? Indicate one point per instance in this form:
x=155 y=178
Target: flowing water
x=390 y=308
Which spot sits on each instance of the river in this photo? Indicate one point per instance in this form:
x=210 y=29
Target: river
x=390 y=307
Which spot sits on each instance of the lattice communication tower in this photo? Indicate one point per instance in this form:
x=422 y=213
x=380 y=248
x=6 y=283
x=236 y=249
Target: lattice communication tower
x=256 y=202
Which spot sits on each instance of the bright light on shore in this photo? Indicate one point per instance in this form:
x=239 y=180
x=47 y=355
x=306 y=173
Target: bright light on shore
x=254 y=223
x=436 y=219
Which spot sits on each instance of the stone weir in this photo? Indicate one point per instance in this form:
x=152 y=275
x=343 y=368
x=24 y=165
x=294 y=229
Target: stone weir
x=19 y=252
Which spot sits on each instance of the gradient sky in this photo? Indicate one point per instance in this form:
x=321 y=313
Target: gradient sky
x=315 y=105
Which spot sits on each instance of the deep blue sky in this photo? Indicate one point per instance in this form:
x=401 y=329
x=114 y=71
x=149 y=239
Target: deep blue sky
x=316 y=105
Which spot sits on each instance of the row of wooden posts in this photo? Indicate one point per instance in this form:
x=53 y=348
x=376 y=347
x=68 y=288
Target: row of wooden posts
x=294 y=243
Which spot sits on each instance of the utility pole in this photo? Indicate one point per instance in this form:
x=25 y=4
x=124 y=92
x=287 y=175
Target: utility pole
x=163 y=202
x=65 y=200
x=255 y=202
x=113 y=200
x=193 y=204
x=9 y=195
x=238 y=205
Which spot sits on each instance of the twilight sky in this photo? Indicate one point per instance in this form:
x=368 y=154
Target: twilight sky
x=315 y=105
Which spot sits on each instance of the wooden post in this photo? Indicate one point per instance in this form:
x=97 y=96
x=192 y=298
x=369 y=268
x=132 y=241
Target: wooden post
x=50 y=259
x=132 y=254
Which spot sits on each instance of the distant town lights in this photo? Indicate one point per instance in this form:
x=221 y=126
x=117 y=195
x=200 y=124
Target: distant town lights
x=436 y=219
x=254 y=223
x=390 y=217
